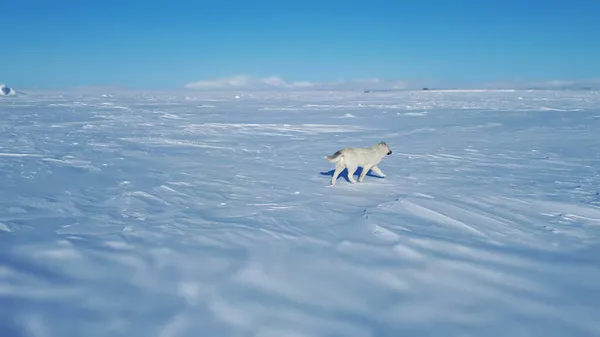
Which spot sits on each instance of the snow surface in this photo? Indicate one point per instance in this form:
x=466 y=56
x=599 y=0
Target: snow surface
x=206 y=215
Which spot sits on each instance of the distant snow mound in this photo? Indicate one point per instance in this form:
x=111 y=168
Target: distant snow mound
x=6 y=91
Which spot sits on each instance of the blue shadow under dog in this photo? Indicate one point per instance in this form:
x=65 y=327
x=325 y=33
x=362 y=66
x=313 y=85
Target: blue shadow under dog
x=344 y=174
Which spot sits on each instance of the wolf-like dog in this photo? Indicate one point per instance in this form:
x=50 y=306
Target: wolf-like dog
x=353 y=157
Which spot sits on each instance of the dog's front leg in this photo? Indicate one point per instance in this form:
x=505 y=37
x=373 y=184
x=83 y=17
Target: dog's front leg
x=377 y=171
x=363 y=173
x=351 y=171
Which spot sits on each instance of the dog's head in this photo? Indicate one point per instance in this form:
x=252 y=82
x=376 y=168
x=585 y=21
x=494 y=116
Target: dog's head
x=384 y=144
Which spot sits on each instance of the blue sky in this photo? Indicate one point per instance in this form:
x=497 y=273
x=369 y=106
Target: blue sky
x=169 y=44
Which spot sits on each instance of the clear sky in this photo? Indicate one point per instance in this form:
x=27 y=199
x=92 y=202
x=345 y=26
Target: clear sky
x=168 y=44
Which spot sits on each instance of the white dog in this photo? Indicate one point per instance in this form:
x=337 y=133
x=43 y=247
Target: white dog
x=352 y=158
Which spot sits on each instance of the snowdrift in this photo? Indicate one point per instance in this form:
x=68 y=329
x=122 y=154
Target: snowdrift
x=6 y=91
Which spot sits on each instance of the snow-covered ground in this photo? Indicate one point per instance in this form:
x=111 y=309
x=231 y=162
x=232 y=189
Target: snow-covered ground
x=201 y=214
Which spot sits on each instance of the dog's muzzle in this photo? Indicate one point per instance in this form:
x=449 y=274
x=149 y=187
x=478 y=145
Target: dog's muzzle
x=390 y=152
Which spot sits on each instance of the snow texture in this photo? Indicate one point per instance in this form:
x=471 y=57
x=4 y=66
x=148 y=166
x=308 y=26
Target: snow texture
x=208 y=215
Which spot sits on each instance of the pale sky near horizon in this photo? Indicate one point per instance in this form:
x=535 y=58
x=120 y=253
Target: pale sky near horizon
x=171 y=44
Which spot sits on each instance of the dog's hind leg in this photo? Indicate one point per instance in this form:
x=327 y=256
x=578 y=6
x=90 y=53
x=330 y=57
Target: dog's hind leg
x=338 y=169
x=377 y=171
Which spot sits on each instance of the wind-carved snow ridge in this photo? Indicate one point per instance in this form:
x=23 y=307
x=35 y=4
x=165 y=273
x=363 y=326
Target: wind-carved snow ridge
x=183 y=215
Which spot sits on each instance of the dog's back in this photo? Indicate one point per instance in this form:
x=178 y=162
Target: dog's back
x=359 y=155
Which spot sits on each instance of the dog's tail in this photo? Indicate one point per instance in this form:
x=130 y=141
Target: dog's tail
x=334 y=158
